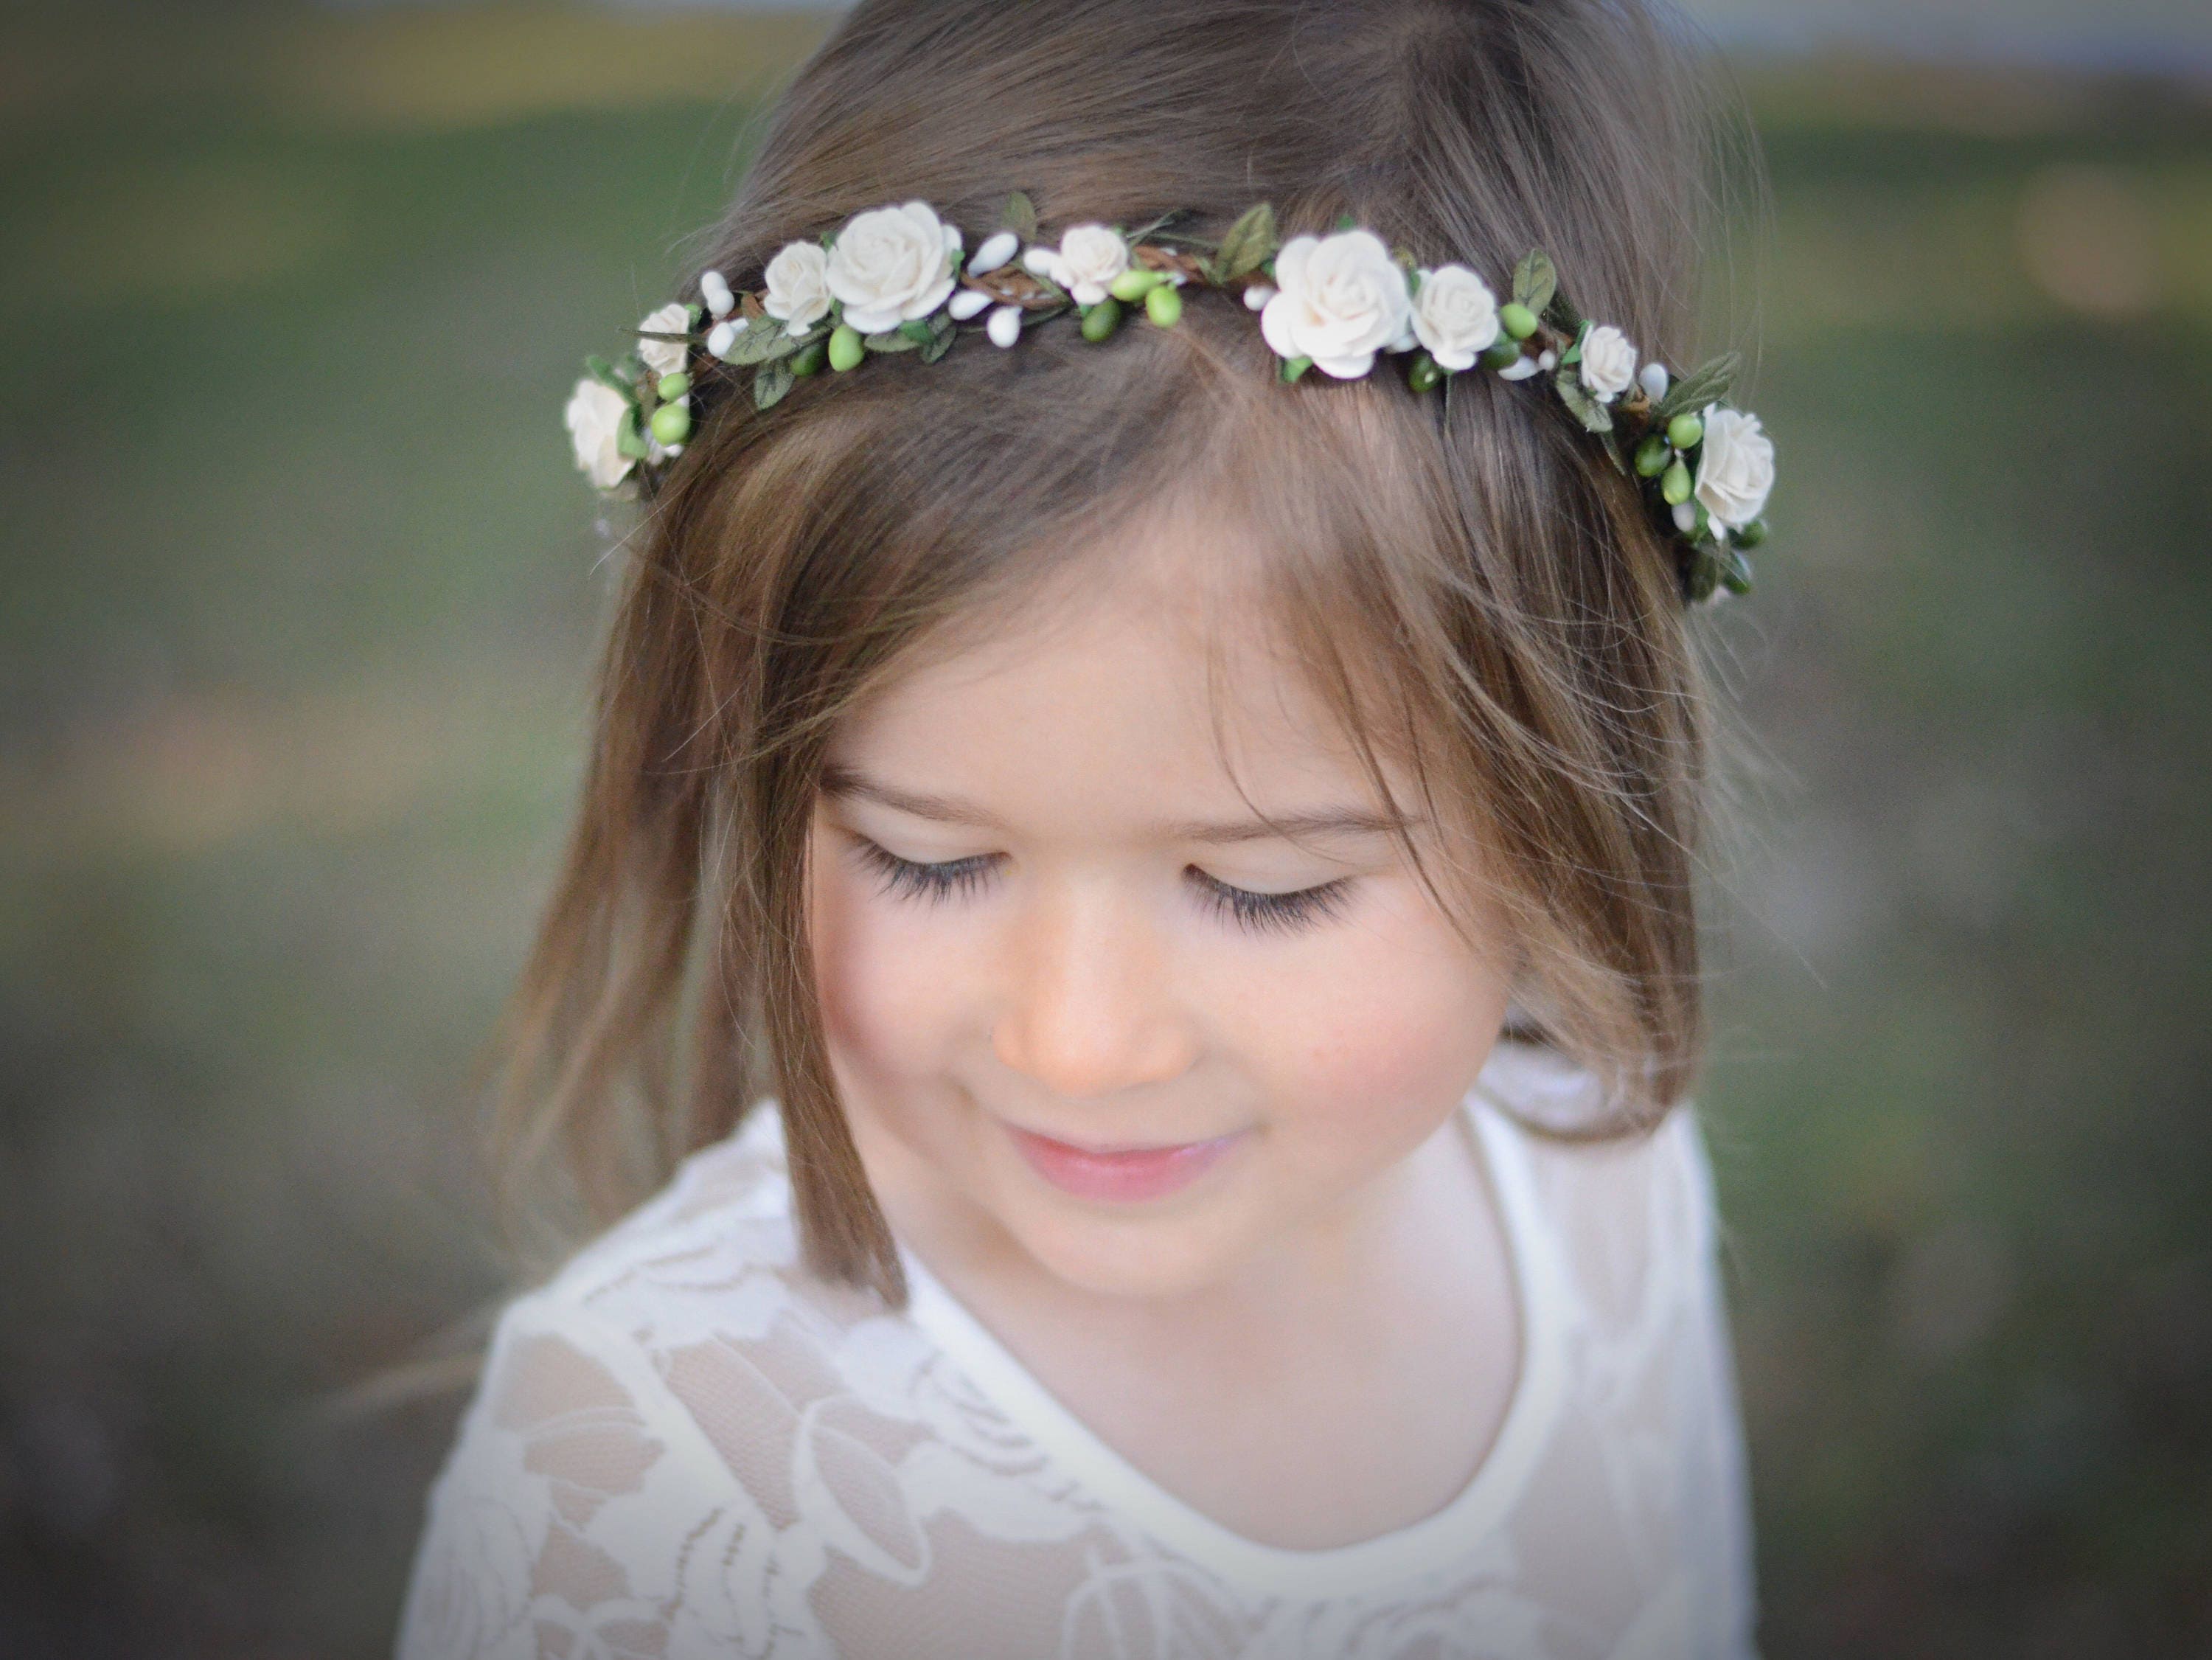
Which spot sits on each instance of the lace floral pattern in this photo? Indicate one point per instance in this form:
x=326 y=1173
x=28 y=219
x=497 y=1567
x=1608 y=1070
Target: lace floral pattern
x=683 y=1448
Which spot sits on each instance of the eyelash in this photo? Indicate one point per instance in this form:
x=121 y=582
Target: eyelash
x=1255 y=913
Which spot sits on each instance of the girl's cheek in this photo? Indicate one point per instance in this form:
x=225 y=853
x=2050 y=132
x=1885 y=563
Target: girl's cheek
x=1378 y=1038
x=887 y=1001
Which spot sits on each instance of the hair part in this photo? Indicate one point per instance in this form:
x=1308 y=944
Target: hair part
x=1464 y=576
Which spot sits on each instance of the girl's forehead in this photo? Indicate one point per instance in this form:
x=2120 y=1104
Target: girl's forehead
x=1143 y=671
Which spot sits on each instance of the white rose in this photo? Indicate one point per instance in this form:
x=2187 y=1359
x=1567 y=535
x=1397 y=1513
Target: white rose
x=1608 y=363
x=1454 y=316
x=1736 y=466
x=665 y=356
x=1339 y=300
x=1089 y=257
x=594 y=417
x=798 y=293
x=891 y=265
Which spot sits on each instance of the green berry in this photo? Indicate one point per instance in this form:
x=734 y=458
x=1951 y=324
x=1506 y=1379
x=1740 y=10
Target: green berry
x=673 y=386
x=1163 y=305
x=1675 y=486
x=1502 y=355
x=1516 y=319
x=846 y=347
x=1651 y=456
x=1425 y=374
x=1102 y=319
x=1686 y=432
x=671 y=423
x=1134 y=283
x=809 y=359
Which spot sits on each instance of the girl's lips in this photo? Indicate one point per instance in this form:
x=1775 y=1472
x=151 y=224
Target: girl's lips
x=1120 y=1177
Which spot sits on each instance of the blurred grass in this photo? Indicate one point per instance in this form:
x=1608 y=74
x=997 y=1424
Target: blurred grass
x=300 y=598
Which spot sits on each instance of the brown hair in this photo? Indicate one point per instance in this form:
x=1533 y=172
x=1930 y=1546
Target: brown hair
x=1468 y=579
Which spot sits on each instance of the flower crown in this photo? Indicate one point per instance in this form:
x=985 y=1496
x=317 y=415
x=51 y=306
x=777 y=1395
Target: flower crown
x=897 y=279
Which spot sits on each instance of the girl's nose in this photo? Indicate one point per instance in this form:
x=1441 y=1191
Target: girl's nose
x=1087 y=1010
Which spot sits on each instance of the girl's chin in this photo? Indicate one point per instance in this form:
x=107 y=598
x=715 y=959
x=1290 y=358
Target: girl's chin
x=1130 y=1251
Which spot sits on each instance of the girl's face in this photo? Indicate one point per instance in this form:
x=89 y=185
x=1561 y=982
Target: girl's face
x=1080 y=1001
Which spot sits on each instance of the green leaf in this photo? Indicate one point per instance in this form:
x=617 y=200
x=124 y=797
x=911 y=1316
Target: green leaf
x=766 y=340
x=919 y=330
x=629 y=438
x=769 y=386
x=604 y=372
x=1735 y=569
x=1250 y=243
x=1143 y=233
x=1346 y=221
x=1020 y=216
x=1577 y=397
x=1292 y=368
x=1708 y=384
x=1534 y=281
x=1574 y=353
x=940 y=342
x=1613 y=449
x=890 y=340
x=1704 y=572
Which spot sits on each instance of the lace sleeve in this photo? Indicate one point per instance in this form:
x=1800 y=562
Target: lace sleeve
x=1716 y=1470
x=579 y=1513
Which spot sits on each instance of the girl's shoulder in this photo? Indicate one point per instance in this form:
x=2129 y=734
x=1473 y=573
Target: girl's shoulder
x=1628 y=1220
x=716 y=1249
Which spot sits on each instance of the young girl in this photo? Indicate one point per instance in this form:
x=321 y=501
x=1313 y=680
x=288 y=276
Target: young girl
x=1133 y=907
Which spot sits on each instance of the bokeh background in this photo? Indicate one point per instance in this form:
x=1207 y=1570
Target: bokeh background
x=298 y=600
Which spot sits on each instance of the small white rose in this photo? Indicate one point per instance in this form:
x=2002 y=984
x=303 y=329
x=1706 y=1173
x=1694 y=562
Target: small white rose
x=1736 y=466
x=891 y=265
x=715 y=289
x=1608 y=365
x=594 y=417
x=1089 y=257
x=665 y=356
x=1454 y=316
x=1341 y=299
x=798 y=286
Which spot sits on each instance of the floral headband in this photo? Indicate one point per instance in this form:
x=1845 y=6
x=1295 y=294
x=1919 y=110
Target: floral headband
x=897 y=279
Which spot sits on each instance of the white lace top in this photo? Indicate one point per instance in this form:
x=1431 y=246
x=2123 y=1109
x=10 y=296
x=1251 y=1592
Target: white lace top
x=684 y=1448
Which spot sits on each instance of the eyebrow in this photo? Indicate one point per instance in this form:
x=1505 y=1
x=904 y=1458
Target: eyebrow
x=944 y=810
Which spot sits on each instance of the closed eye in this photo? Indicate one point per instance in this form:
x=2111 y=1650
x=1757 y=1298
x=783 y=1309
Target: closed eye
x=952 y=878
x=1276 y=913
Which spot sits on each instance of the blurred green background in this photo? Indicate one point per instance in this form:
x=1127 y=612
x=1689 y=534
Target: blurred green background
x=299 y=596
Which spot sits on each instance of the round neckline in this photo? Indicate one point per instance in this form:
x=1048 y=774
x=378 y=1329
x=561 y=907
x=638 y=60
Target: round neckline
x=1435 y=1540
